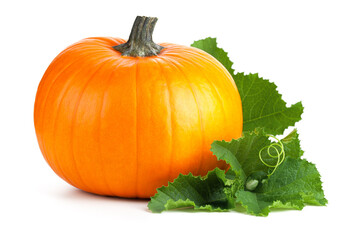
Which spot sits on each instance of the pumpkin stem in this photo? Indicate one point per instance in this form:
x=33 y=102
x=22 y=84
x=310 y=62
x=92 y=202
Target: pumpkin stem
x=140 y=43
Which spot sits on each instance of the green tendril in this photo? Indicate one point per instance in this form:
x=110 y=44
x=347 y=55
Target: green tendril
x=280 y=155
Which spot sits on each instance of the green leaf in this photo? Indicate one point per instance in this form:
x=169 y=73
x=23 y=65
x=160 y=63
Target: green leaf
x=263 y=106
x=223 y=153
x=245 y=150
x=295 y=183
x=291 y=145
x=214 y=192
x=255 y=205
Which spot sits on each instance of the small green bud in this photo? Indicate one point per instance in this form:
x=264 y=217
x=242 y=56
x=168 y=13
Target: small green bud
x=251 y=184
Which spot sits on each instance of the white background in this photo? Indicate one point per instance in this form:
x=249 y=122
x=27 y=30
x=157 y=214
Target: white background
x=305 y=47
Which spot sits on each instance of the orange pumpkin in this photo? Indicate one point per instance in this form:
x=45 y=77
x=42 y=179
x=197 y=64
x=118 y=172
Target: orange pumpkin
x=123 y=118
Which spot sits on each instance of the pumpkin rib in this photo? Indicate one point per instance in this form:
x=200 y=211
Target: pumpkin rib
x=171 y=116
x=201 y=124
x=49 y=70
x=136 y=129
x=55 y=124
x=211 y=84
x=115 y=136
x=226 y=74
x=73 y=123
x=54 y=133
x=219 y=66
x=206 y=77
x=216 y=93
x=100 y=126
x=39 y=136
x=196 y=60
x=45 y=102
x=78 y=59
x=201 y=54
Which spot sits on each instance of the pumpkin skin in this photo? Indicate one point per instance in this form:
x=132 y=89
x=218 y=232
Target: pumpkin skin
x=123 y=126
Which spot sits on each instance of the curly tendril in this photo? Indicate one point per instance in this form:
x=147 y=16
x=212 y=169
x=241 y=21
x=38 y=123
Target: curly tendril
x=280 y=154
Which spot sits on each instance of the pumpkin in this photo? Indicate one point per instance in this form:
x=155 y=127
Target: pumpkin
x=122 y=118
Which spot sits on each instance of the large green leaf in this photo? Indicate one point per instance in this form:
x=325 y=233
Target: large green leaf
x=213 y=192
x=262 y=105
x=295 y=183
